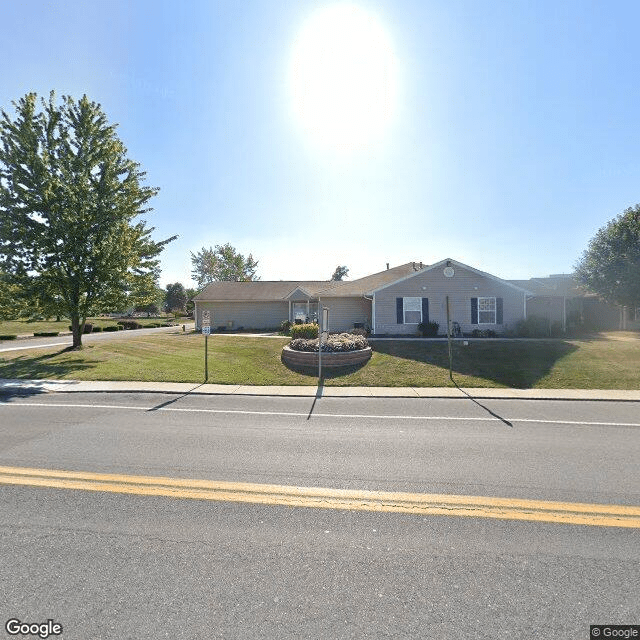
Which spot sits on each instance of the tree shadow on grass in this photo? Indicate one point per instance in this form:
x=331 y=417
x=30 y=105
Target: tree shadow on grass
x=55 y=365
x=514 y=364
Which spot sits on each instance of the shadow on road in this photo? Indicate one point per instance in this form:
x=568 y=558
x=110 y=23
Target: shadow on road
x=183 y=395
x=317 y=396
x=495 y=415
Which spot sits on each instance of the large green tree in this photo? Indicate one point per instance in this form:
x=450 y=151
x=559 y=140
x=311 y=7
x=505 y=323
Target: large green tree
x=222 y=263
x=175 y=297
x=69 y=197
x=339 y=273
x=610 y=266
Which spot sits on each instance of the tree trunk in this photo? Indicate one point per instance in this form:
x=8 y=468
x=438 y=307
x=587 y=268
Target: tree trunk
x=77 y=328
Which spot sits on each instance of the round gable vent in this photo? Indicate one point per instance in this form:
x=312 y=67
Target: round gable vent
x=448 y=272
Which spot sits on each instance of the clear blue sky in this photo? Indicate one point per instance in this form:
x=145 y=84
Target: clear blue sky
x=510 y=130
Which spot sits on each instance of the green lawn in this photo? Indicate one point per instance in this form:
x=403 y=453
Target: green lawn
x=28 y=327
x=611 y=361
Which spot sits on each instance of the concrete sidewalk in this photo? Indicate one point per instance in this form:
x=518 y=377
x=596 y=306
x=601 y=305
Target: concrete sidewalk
x=80 y=386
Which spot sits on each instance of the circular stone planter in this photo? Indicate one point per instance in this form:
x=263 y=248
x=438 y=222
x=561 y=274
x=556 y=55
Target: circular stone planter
x=301 y=359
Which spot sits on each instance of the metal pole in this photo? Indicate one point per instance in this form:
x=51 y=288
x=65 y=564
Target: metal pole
x=206 y=360
x=449 y=342
x=319 y=341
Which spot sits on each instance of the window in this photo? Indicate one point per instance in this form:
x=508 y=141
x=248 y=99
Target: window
x=304 y=312
x=486 y=311
x=412 y=310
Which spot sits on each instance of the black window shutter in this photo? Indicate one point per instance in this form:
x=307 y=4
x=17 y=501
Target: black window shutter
x=425 y=309
x=499 y=306
x=474 y=310
x=399 y=311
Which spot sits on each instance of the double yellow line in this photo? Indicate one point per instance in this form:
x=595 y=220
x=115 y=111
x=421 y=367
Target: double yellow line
x=600 y=515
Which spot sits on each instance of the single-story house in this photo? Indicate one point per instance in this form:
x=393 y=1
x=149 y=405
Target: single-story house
x=393 y=301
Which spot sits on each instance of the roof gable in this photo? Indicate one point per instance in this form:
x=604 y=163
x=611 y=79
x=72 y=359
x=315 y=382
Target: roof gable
x=449 y=261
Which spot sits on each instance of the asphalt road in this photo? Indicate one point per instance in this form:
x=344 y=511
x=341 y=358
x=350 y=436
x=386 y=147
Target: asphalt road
x=109 y=565
x=67 y=340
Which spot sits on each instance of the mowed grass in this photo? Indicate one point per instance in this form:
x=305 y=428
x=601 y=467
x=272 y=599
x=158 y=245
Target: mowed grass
x=610 y=361
x=28 y=327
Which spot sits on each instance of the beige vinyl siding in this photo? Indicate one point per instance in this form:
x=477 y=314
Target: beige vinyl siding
x=344 y=312
x=461 y=288
x=250 y=315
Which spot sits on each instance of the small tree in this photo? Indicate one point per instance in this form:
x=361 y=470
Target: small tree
x=339 y=273
x=175 y=297
x=610 y=266
x=68 y=199
x=191 y=294
x=222 y=263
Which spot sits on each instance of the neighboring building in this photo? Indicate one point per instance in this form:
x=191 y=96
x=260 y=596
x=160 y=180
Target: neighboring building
x=396 y=300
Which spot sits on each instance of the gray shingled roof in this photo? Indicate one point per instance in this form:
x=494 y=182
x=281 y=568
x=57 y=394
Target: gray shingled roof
x=556 y=285
x=257 y=290
x=368 y=283
x=263 y=290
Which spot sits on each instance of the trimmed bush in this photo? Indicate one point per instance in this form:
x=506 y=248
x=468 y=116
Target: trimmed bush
x=8 y=337
x=285 y=326
x=337 y=342
x=112 y=327
x=129 y=324
x=428 y=329
x=96 y=329
x=46 y=334
x=88 y=327
x=307 y=331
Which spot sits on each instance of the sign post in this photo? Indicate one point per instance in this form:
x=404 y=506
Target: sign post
x=449 y=341
x=206 y=329
x=323 y=334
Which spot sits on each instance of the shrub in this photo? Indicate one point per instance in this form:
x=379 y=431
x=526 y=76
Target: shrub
x=285 y=326
x=358 y=331
x=112 y=327
x=88 y=327
x=533 y=327
x=46 y=334
x=308 y=331
x=483 y=333
x=96 y=329
x=335 y=343
x=129 y=324
x=428 y=329
x=8 y=337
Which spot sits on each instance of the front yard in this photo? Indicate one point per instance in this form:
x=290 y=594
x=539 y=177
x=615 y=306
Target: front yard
x=608 y=361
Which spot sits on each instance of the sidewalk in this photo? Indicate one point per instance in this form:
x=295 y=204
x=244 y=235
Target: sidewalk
x=79 y=386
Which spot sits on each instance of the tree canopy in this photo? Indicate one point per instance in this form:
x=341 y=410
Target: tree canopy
x=610 y=266
x=339 y=273
x=175 y=297
x=68 y=199
x=222 y=263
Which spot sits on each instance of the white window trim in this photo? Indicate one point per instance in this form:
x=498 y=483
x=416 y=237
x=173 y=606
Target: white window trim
x=495 y=309
x=404 y=309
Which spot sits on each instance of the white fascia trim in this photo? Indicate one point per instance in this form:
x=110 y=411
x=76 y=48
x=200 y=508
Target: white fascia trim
x=302 y=290
x=457 y=264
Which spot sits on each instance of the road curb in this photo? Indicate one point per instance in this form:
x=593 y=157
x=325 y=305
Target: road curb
x=8 y=387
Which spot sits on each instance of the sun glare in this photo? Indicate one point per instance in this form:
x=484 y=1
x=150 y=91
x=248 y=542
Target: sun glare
x=343 y=77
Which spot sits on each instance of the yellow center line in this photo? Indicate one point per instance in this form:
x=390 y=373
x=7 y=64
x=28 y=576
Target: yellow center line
x=602 y=515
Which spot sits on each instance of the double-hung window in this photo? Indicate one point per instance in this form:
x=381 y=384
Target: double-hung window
x=486 y=311
x=412 y=310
